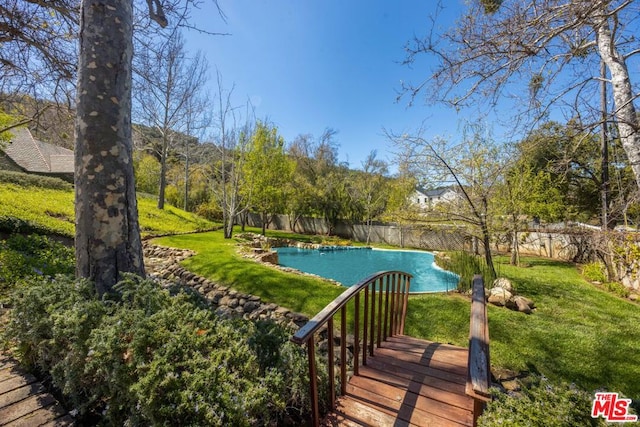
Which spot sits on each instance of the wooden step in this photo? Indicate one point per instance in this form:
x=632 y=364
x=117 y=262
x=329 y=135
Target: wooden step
x=407 y=382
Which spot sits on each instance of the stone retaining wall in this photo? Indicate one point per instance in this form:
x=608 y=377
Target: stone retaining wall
x=163 y=264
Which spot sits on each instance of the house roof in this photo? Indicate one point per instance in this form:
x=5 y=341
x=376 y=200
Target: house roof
x=436 y=192
x=37 y=156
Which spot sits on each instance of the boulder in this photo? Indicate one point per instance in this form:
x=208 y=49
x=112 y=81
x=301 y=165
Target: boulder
x=250 y=306
x=499 y=296
x=270 y=257
x=504 y=283
x=228 y=301
x=527 y=301
x=511 y=304
x=522 y=304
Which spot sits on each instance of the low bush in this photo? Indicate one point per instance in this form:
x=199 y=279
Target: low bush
x=210 y=211
x=541 y=403
x=29 y=180
x=617 y=289
x=144 y=357
x=33 y=255
x=466 y=266
x=594 y=272
x=11 y=225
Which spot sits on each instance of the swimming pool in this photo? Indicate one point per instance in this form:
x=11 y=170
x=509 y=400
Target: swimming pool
x=350 y=265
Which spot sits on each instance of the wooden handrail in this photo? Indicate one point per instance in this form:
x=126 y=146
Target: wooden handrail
x=380 y=319
x=479 y=375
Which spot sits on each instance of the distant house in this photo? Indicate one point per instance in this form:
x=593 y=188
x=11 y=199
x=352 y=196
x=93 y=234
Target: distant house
x=428 y=199
x=25 y=154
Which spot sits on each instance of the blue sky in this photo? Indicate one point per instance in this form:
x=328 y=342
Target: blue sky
x=309 y=65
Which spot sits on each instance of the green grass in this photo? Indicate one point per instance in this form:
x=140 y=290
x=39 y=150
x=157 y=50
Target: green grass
x=52 y=210
x=578 y=333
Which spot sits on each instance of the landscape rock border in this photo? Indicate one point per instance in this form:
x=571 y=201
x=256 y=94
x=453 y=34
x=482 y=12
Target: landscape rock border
x=163 y=264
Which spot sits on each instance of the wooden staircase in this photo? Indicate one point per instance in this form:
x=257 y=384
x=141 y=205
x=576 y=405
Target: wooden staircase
x=397 y=380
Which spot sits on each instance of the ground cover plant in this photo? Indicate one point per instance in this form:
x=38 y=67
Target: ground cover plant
x=46 y=206
x=143 y=357
x=541 y=403
x=22 y=257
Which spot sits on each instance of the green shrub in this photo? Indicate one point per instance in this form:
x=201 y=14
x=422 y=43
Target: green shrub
x=594 y=272
x=143 y=357
x=617 y=288
x=29 y=180
x=541 y=403
x=34 y=255
x=11 y=225
x=466 y=266
x=210 y=211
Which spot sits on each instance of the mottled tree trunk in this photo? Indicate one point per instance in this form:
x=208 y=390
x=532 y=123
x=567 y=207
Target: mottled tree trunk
x=107 y=232
x=625 y=111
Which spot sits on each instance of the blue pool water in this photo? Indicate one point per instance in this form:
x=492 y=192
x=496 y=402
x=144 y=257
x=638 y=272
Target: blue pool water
x=350 y=266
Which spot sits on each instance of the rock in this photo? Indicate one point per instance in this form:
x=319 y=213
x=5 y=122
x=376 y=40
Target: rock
x=502 y=374
x=529 y=302
x=499 y=296
x=511 y=385
x=511 y=304
x=281 y=311
x=251 y=306
x=270 y=257
x=299 y=319
x=162 y=265
x=633 y=297
x=224 y=312
x=504 y=283
x=228 y=301
x=522 y=304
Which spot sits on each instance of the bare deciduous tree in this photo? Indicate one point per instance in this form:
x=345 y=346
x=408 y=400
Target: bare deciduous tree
x=369 y=189
x=548 y=50
x=38 y=56
x=232 y=143
x=474 y=166
x=167 y=90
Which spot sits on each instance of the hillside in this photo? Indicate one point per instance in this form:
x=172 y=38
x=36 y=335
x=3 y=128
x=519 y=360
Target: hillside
x=45 y=205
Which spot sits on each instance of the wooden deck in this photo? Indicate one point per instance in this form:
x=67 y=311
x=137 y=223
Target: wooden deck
x=408 y=382
x=24 y=401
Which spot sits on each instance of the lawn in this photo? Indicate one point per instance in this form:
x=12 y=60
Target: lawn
x=52 y=210
x=578 y=333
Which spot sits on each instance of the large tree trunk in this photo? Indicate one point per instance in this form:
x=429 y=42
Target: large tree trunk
x=625 y=112
x=107 y=232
